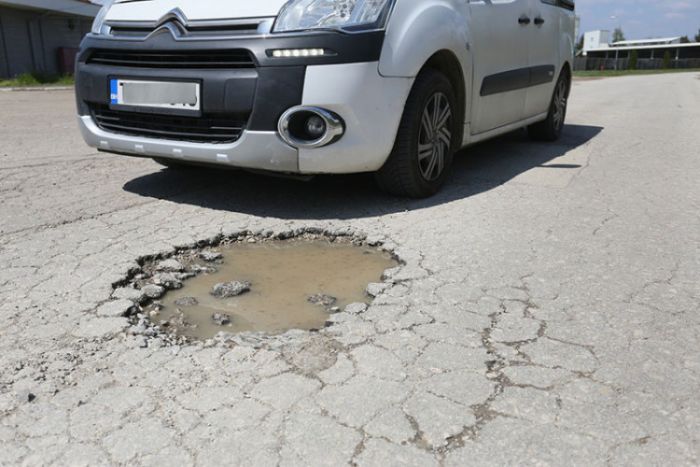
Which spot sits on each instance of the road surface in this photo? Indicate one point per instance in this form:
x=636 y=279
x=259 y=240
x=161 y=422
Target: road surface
x=548 y=311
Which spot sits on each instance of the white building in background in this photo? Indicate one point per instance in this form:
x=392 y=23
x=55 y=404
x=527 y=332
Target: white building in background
x=593 y=40
x=600 y=41
x=599 y=52
x=649 y=51
x=645 y=42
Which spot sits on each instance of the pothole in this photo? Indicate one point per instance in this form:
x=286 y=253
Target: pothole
x=255 y=284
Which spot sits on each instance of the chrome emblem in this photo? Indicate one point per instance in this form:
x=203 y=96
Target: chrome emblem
x=174 y=21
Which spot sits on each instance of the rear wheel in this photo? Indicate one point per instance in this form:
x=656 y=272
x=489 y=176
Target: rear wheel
x=551 y=128
x=425 y=144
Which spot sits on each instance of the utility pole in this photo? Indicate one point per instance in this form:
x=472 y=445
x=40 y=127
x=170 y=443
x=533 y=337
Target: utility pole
x=614 y=19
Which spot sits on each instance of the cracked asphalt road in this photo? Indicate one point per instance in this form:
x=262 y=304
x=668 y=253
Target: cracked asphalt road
x=548 y=312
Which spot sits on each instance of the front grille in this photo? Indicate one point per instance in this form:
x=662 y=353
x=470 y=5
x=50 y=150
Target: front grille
x=180 y=59
x=188 y=30
x=211 y=128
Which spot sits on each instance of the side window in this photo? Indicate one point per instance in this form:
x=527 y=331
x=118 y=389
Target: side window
x=493 y=2
x=567 y=4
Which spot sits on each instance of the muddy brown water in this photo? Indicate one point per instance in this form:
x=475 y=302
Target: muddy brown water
x=283 y=276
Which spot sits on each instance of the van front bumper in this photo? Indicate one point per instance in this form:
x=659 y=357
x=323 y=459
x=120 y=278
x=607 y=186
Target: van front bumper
x=252 y=98
x=261 y=150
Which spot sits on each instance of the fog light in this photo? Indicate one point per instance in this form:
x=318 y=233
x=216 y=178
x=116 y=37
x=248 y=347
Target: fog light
x=315 y=127
x=310 y=127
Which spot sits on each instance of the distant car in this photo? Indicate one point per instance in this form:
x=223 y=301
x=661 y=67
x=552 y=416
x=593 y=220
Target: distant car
x=393 y=87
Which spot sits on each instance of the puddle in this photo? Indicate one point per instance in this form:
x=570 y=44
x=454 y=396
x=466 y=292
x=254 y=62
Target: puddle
x=292 y=284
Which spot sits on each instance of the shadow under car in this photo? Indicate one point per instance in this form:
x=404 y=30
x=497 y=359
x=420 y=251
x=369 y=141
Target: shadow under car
x=476 y=169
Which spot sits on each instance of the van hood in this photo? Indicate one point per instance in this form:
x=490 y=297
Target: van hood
x=153 y=10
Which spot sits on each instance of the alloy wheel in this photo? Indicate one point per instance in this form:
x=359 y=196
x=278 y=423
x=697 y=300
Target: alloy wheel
x=560 y=104
x=435 y=137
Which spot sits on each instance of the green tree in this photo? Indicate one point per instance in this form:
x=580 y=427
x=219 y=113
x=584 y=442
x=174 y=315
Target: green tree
x=667 y=59
x=579 y=43
x=697 y=36
x=618 y=35
x=685 y=40
x=632 y=64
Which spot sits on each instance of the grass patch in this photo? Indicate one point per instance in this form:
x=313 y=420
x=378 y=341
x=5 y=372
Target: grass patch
x=32 y=79
x=612 y=73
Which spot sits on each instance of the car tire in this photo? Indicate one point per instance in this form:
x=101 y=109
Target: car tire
x=426 y=140
x=551 y=128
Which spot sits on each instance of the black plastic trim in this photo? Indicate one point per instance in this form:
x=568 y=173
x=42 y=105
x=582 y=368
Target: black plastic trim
x=517 y=79
x=506 y=81
x=541 y=74
x=260 y=95
x=196 y=59
x=279 y=88
x=92 y=85
x=203 y=128
x=343 y=47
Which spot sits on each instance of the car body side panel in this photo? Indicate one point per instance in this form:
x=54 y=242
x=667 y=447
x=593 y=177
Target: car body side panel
x=567 y=41
x=552 y=43
x=418 y=30
x=500 y=46
x=543 y=52
x=370 y=104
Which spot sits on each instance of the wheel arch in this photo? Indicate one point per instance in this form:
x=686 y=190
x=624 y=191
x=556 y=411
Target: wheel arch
x=419 y=30
x=432 y=34
x=447 y=63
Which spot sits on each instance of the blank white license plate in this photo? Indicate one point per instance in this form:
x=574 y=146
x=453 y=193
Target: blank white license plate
x=157 y=94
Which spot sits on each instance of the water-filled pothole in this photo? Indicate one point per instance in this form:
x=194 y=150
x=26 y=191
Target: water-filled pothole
x=265 y=286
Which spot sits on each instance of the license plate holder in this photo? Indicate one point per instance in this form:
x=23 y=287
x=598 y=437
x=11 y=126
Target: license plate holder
x=178 y=96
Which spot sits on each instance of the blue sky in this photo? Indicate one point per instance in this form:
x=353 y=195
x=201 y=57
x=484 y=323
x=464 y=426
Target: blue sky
x=641 y=19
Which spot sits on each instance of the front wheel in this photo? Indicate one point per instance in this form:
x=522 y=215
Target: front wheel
x=551 y=128
x=425 y=144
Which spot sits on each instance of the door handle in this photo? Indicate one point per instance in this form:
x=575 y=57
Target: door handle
x=539 y=21
x=524 y=20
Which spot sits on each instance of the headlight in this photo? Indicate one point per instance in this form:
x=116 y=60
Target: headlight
x=349 y=15
x=99 y=22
